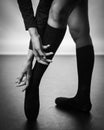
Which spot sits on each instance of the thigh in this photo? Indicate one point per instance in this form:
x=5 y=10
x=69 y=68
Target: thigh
x=63 y=7
x=78 y=19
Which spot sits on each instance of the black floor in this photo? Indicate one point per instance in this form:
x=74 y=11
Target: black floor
x=60 y=79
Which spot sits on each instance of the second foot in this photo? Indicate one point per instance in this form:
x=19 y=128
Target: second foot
x=73 y=104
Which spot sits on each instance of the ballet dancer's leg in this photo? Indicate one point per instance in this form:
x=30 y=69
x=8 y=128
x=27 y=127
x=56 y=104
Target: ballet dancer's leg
x=80 y=32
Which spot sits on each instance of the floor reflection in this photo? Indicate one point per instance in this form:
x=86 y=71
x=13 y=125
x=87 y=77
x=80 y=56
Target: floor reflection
x=80 y=120
x=31 y=126
x=54 y=84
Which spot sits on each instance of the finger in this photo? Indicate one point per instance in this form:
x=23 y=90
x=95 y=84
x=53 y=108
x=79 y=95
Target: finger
x=25 y=87
x=41 y=58
x=27 y=84
x=19 y=84
x=37 y=56
x=22 y=84
x=27 y=81
x=42 y=62
x=40 y=53
x=48 y=60
x=49 y=53
x=20 y=78
x=17 y=79
x=46 y=46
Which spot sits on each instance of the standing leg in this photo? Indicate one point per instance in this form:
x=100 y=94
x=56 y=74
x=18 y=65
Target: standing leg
x=80 y=32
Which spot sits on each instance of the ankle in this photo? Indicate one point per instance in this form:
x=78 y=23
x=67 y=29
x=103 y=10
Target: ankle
x=83 y=99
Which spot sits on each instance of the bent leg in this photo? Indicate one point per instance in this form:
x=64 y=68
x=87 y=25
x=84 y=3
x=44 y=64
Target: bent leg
x=52 y=36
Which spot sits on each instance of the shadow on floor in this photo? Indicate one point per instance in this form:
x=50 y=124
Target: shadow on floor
x=53 y=84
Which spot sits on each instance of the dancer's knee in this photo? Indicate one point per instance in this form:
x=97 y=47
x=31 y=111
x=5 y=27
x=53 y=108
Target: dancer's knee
x=57 y=17
x=81 y=35
x=59 y=12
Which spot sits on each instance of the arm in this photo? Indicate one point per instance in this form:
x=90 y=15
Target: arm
x=27 y=12
x=27 y=70
x=35 y=47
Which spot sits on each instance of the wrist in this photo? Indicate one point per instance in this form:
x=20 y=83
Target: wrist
x=29 y=60
x=30 y=56
x=33 y=31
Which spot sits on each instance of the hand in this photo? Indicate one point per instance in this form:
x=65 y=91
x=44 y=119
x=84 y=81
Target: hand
x=38 y=48
x=24 y=78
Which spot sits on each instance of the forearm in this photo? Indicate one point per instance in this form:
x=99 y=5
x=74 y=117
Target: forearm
x=32 y=32
x=27 y=12
x=30 y=56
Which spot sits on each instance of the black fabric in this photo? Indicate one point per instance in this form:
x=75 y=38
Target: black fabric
x=81 y=102
x=53 y=37
x=41 y=17
x=85 y=63
x=27 y=12
x=31 y=102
